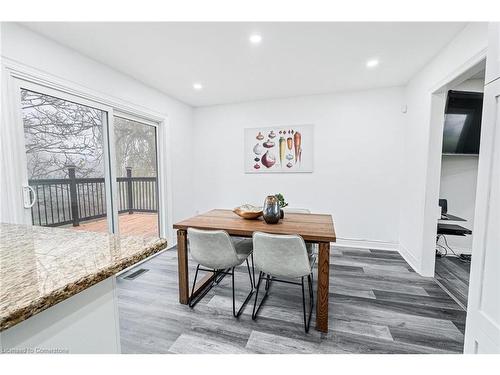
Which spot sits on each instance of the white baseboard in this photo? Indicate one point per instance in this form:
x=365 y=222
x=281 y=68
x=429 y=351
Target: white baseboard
x=394 y=246
x=411 y=260
x=367 y=244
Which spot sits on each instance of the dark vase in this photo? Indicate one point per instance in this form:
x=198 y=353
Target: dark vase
x=282 y=214
x=271 y=210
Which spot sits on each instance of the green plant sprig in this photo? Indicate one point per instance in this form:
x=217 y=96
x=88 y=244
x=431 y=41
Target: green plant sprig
x=281 y=200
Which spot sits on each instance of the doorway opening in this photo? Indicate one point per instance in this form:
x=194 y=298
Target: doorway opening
x=458 y=181
x=456 y=127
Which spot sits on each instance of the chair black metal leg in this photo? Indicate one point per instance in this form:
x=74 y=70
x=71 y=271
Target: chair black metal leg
x=311 y=301
x=193 y=300
x=191 y=304
x=240 y=311
x=304 y=305
x=222 y=274
x=257 y=287
x=307 y=320
x=253 y=269
x=255 y=308
x=311 y=291
x=219 y=275
x=252 y=280
x=269 y=279
x=232 y=284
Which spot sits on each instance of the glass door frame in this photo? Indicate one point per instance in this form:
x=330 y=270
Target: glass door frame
x=14 y=76
x=108 y=144
x=159 y=183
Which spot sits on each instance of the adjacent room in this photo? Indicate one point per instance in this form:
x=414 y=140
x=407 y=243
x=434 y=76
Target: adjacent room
x=250 y=187
x=458 y=183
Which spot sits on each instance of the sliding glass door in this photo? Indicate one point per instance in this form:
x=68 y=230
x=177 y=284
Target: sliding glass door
x=86 y=168
x=65 y=157
x=137 y=177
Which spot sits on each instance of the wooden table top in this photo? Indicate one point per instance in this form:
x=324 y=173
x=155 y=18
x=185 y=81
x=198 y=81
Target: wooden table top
x=312 y=227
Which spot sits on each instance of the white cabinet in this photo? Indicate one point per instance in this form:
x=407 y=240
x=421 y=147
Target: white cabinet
x=493 y=58
x=483 y=313
x=87 y=323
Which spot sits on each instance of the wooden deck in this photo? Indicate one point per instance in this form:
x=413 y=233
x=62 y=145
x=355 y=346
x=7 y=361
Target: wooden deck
x=136 y=224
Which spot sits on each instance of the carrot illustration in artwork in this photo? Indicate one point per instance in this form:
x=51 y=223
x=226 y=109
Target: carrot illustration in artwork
x=282 y=150
x=297 y=137
x=289 y=143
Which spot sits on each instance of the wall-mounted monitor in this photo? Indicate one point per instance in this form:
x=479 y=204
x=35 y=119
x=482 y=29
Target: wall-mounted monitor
x=462 y=124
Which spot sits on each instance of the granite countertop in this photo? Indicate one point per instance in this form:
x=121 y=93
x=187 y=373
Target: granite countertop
x=40 y=266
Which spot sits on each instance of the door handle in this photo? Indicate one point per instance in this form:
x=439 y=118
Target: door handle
x=28 y=203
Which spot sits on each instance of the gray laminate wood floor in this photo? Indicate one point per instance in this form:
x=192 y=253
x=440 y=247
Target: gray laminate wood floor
x=453 y=274
x=377 y=305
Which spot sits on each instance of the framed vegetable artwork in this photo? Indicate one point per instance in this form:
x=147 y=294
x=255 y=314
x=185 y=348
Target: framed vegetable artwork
x=279 y=149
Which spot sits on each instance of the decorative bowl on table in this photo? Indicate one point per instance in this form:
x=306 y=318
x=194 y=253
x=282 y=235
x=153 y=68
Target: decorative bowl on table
x=249 y=212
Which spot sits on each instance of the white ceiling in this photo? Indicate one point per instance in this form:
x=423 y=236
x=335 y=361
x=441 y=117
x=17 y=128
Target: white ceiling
x=293 y=58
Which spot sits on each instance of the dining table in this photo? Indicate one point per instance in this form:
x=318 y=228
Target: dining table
x=313 y=228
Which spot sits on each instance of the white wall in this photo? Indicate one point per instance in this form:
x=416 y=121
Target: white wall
x=422 y=146
x=357 y=141
x=458 y=186
x=26 y=47
x=459 y=181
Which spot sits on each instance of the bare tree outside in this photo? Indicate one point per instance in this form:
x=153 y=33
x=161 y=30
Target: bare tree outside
x=59 y=133
x=135 y=147
x=65 y=158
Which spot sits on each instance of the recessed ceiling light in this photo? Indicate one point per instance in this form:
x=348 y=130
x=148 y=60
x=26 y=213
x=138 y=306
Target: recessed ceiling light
x=197 y=86
x=255 y=38
x=372 y=63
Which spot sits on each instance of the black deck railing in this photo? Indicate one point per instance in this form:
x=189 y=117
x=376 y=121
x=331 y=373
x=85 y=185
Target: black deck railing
x=71 y=200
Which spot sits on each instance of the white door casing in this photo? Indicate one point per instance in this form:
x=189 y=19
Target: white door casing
x=493 y=61
x=482 y=333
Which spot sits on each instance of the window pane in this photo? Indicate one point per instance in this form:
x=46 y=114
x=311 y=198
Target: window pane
x=65 y=160
x=135 y=146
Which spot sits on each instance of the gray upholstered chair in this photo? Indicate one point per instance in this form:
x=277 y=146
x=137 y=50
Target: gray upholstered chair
x=311 y=247
x=282 y=258
x=218 y=253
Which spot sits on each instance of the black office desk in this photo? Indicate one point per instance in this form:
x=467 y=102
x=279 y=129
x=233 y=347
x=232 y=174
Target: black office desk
x=452 y=229
x=451 y=217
